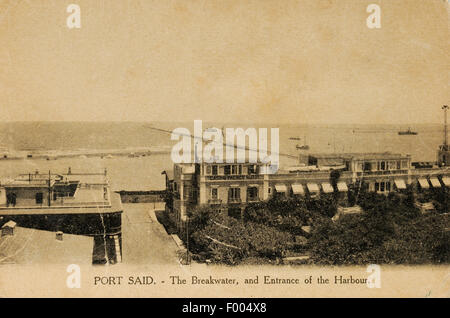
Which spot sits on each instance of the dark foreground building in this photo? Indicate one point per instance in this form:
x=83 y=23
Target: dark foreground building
x=72 y=203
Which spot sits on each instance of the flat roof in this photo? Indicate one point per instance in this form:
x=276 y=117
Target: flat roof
x=86 y=178
x=370 y=155
x=33 y=179
x=25 y=181
x=31 y=246
x=114 y=207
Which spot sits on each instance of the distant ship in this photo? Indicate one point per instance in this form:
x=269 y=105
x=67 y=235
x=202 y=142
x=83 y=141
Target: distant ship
x=294 y=138
x=304 y=146
x=407 y=132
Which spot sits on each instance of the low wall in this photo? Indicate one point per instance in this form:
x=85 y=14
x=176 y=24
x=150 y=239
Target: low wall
x=142 y=196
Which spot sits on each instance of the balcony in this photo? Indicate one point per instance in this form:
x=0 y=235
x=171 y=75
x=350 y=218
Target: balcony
x=234 y=177
x=214 y=201
x=253 y=199
x=382 y=173
x=234 y=200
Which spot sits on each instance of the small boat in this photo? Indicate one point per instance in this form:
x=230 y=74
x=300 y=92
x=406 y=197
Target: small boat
x=304 y=146
x=407 y=132
x=294 y=138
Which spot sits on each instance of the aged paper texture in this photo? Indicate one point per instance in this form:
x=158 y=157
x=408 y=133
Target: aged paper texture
x=224 y=148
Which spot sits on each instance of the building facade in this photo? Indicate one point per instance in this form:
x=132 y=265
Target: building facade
x=72 y=203
x=229 y=188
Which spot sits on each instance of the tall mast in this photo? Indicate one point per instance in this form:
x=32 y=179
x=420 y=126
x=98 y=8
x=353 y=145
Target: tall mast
x=49 y=190
x=445 y=108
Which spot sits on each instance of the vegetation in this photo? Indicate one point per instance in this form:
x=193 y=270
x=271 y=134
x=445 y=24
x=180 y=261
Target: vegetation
x=390 y=230
x=223 y=239
x=372 y=238
x=440 y=198
x=289 y=214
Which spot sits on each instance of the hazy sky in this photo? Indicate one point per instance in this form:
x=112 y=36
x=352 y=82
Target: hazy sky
x=231 y=60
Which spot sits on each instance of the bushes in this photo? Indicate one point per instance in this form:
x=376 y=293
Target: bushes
x=399 y=206
x=347 y=241
x=441 y=199
x=421 y=241
x=391 y=230
x=325 y=206
x=223 y=239
x=289 y=214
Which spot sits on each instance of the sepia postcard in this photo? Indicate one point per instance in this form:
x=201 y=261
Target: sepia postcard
x=225 y=149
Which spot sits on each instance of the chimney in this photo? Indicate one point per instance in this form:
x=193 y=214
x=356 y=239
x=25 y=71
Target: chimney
x=59 y=236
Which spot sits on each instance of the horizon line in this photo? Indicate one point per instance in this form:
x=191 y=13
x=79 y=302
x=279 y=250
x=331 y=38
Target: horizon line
x=212 y=121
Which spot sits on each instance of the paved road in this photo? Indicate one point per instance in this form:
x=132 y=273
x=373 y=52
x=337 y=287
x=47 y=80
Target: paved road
x=144 y=240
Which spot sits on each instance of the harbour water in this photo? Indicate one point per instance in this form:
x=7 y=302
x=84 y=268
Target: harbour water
x=144 y=172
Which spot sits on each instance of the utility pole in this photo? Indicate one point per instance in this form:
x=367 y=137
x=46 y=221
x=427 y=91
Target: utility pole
x=187 y=239
x=49 y=189
x=445 y=108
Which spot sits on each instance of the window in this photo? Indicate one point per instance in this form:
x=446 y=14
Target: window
x=252 y=193
x=236 y=169
x=383 y=186
x=208 y=170
x=398 y=165
x=214 y=170
x=253 y=169
x=214 y=193
x=194 y=195
x=367 y=166
x=39 y=198
x=186 y=192
x=383 y=165
x=404 y=164
x=11 y=199
x=234 y=194
x=227 y=170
